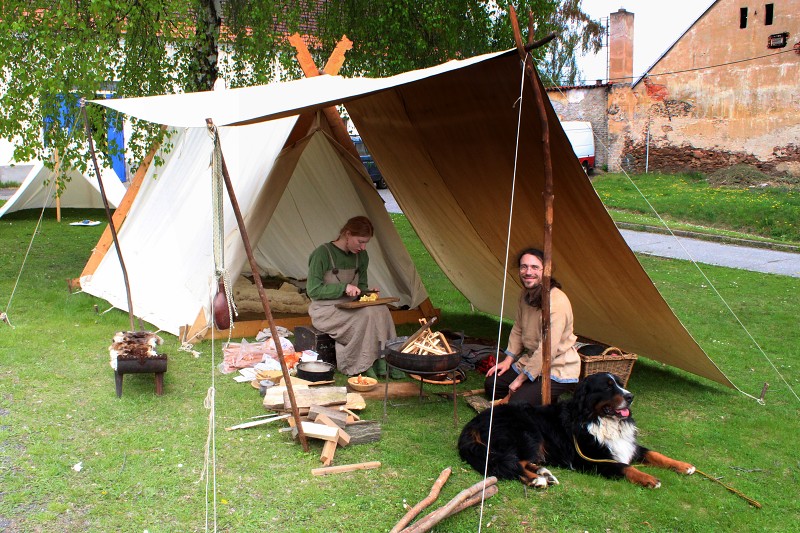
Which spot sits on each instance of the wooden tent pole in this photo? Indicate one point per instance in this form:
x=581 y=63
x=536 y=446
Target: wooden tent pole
x=55 y=177
x=264 y=300
x=548 y=194
x=88 y=129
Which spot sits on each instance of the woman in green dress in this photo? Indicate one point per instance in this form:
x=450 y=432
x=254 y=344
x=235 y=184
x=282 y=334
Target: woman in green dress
x=337 y=273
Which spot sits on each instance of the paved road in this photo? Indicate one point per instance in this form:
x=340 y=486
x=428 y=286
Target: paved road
x=711 y=253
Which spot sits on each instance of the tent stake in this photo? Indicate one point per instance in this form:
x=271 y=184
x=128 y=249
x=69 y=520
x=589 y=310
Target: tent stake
x=88 y=129
x=548 y=194
x=263 y=295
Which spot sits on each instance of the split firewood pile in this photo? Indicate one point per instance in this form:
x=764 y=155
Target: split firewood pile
x=336 y=426
x=134 y=345
x=466 y=498
x=427 y=342
x=327 y=414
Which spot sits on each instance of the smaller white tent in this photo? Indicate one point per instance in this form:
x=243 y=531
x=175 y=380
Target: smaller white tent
x=82 y=190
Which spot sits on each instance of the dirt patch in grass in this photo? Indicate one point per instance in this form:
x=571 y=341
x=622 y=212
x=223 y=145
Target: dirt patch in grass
x=746 y=176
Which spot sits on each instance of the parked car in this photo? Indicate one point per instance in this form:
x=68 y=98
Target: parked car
x=366 y=159
x=581 y=137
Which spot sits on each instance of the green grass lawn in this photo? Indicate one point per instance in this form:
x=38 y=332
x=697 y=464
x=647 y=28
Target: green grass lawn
x=142 y=456
x=767 y=212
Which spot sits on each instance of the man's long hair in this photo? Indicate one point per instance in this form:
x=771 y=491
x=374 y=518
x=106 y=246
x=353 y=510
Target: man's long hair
x=534 y=296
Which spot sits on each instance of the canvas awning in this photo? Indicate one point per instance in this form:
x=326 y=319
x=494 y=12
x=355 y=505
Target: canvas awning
x=445 y=140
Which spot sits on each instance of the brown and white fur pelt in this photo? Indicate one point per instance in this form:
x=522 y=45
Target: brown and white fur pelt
x=593 y=432
x=133 y=345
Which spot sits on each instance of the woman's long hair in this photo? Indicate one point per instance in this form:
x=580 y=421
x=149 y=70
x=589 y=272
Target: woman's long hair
x=534 y=296
x=358 y=227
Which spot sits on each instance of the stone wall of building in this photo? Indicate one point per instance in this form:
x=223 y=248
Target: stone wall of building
x=587 y=103
x=717 y=98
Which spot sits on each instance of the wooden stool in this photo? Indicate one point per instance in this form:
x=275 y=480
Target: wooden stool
x=150 y=365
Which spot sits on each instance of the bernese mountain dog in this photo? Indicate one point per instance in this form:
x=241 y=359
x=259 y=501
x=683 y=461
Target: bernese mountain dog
x=591 y=432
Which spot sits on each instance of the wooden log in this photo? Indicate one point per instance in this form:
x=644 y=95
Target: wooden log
x=490 y=491
x=345 y=468
x=328 y=451
x=364 y=431
x=429 y=499
x=430 y=520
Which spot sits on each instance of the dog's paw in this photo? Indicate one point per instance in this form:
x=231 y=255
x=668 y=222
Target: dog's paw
x=540 y=482
x=641 y=478
x=687 y=469
x=546 y=474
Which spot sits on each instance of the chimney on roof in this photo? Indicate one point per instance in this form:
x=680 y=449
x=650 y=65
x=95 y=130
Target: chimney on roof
x=620 y=47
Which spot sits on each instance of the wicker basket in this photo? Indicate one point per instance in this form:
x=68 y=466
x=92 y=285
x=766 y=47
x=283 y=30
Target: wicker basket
x=612 y=360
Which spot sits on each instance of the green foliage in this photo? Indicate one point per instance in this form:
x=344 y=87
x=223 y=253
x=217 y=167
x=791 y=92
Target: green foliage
x=63 y=51
x=392 y=36
x=142 y=456
x=767 y=211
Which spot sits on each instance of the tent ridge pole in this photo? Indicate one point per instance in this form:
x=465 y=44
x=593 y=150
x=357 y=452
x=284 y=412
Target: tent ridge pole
x=262 y=294
x=548 y=192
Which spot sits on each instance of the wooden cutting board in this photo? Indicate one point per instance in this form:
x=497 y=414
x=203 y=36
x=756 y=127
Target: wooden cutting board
x=357 y=304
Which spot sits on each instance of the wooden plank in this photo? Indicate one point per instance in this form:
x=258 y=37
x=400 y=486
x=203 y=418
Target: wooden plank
x=200 y=330
x=345 y=468
x=338 y=416
x=397 y=389
x=336 y=60
x=328 y=451
x=273 y=399
x=322 y=419
x=318 y=431
x=317 y=396
x=364 y=431
x=254 y=423
x=358 y=304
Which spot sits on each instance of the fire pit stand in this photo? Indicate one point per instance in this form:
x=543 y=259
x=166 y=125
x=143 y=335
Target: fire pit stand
x=450 y=373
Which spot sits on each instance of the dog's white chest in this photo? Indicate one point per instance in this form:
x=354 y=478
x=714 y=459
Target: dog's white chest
x=618 y=436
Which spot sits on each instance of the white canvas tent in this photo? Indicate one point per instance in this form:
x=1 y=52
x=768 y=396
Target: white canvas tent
x=82 y=190
x=306 y=191
x=445 y=140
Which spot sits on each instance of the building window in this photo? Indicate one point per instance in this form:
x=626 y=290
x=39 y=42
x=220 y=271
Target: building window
x=769 y=11
x=778 y=40
x=742 y=17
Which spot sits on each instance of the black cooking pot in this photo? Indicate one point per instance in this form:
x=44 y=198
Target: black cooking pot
x=315 y=371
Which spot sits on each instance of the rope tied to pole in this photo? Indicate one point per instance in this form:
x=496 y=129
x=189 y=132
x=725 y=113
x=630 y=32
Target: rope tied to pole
x=218 y=224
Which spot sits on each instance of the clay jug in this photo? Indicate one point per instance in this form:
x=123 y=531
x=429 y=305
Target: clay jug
x=222 y=316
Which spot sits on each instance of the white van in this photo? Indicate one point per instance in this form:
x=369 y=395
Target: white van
x=581 y=137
